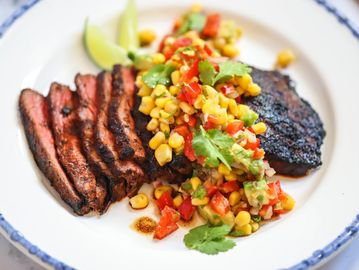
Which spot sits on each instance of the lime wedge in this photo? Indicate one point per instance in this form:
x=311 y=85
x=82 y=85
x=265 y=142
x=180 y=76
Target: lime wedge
x=128 y=27
x=103 y=53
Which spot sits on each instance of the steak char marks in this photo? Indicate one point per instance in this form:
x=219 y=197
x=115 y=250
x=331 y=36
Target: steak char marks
x=130 y=176
x=178 y=170
x=63 y=109
x=295 y=132
x=35 y=118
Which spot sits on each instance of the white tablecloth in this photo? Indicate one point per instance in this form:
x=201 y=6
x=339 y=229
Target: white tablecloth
x=12 y=259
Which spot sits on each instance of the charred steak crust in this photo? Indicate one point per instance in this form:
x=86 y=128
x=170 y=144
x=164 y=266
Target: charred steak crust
x=35 y=118
x=63 y=105
x=178 y=170
x=121 y=123
x=87 y=113
x=295 y=132
x=129 y=174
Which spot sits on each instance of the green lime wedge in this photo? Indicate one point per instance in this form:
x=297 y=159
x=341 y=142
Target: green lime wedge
x=128 y=27
x=103 y=52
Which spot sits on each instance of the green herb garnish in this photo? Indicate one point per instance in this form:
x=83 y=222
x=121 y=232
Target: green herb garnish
x=209 y=240
x=158 y=74
x=192 y=21
x=200 y=192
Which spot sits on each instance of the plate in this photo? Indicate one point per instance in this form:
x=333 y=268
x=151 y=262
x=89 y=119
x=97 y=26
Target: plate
x=45 y=45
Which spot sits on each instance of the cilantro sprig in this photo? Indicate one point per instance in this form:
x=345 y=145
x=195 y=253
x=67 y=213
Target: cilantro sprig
x=192 y=21
x=227 y=70
x=209 y=240
x=214 y=145
x=158 y=74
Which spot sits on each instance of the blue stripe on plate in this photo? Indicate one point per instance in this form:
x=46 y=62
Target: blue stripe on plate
x=349 y=233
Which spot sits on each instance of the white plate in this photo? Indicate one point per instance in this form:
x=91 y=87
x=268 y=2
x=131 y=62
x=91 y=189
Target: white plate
x=45 y=46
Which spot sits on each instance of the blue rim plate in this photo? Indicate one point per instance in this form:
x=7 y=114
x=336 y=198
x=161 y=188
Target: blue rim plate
x=317 y=256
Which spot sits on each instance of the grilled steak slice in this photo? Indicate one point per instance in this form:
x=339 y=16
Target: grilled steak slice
x=295 y=132
x=121 y=122
x=35 y=118
x=178 y=170
x=63 y=109
x=87 y=112
x=128 y=173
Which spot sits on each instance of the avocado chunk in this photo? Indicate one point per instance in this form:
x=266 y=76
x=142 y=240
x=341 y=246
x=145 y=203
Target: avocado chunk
x=256 y=193
x=215 y=219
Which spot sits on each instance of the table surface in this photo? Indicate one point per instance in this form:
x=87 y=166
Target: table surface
x=12 y=259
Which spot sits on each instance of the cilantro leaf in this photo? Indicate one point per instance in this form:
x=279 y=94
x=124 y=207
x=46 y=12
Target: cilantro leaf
x=206 y=72
x=209 y=240
x=229 y=69
x=193 y=21
x=215 y=145
x=158 y=74
x=200 y=192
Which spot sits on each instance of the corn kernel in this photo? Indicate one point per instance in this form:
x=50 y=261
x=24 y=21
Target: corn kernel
x=223 y=101
x=209 y=91
x=230 y=50
x=210 y=106
x=243 y=218
x=161 y=101
x=146 y=37
x=171 y=107
x=233 y=108
x=242 y=109
x=155 y=112
x=147 y=104
x=255 y=226
x=245 y=230
x=164 y=115
x=160 y=190
x=144 y=91
x=174 y=90
x=157 y=140
x=198 y=103
x=175 y=140
x=177 y=201
x=198 y=42
x=186 y=108
x=191 y=34
x=158 y=58
x=223 y=169
x=139 y=82
x=230 y=177
x=239 y=32
x=288 y=203
x=159 y=90
x=175 y=77
x=284 y=58
x=179 y=121
x=195 y=182
x=245 y=81
x=196 y=7
x=219 y=43
x=198 y=201
x=259 y=128
x=152 y=125
x=234 y=198
x=139 y=201
x=254 y=89
x=230 y=118
x=169 y=40
x=222 y=117
x=163 y=154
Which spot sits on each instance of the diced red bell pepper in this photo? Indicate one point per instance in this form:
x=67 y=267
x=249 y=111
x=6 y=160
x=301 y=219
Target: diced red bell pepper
x=162 y=43
x=167 y=223
x=181 y=42
x=253 y=146
x=210 y=188
x=238 y=99
x=165 y=200
x=213 y=119
x=219 y=204
x=234 y=126
x=190 y=91
x=208 y=50
x=212 y=25
x=274 y=191
x=186 y=209
x=182 y=130
x=227 y=89
x=191 y=73
x=188 y=149
x=229 y=187
x=209 y=125
x=264 y=210
x=168 y=52
x=192 y=121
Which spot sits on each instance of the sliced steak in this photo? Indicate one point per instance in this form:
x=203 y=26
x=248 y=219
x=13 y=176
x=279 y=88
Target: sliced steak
x=128 y=173
x=35 y=118
x=295 y=132
x=178 y=170
x=121 y=123
x=87 y=112
x=63 y=109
